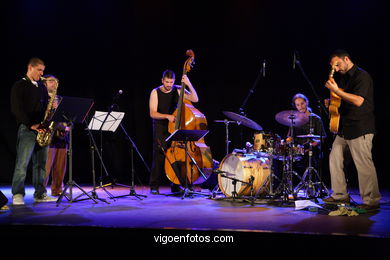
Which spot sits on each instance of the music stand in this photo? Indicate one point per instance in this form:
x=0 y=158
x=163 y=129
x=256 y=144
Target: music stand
x=72 y=110
x=103 y=121
x=188 y=136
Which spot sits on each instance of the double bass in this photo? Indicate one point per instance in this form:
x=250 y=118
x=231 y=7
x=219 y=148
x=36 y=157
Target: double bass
x=334 y=105
x=187 y=117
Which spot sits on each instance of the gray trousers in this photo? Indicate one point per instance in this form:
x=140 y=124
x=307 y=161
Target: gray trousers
x=360 y=149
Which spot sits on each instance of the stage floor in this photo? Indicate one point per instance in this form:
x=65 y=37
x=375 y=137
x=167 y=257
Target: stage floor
x=159 y=215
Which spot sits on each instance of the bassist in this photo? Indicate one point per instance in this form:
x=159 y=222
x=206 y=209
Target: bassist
x=162 y=103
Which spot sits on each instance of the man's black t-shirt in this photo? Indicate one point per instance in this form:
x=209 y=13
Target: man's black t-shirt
x=357 y=121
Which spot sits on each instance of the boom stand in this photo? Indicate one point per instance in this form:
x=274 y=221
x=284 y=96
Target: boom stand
x=234 y=182
x=188 y=136
x=132 y=187
x=241 y=110
x=73 y=110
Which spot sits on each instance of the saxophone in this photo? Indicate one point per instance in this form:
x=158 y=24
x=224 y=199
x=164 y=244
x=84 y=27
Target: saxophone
x=49 y=127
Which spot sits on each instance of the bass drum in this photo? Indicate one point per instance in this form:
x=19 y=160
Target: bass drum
x=242 y=167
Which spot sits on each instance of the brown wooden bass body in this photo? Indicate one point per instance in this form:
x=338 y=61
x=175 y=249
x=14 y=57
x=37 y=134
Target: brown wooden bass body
x=187 y=118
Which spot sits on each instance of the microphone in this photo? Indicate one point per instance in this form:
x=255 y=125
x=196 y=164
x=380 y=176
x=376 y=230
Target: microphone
x=263 y=68
x=118 y=94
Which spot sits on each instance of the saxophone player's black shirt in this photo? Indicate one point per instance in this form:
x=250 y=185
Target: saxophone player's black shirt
x=28 y=102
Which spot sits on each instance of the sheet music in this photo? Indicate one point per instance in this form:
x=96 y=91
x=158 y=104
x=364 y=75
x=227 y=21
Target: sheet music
x=111 y=124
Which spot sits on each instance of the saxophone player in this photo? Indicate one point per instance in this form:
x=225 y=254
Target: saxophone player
x=57 y=154
x=29 y=99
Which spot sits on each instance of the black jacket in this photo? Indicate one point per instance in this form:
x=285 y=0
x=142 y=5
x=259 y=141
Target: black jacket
x=28 y=102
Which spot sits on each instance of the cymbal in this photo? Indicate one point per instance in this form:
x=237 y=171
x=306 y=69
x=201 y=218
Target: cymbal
x=243 y=120
x=291 y=118
x=308 y=136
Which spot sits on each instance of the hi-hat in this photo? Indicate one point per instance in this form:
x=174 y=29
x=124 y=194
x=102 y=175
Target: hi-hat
x=243 y=120
x=292 y=118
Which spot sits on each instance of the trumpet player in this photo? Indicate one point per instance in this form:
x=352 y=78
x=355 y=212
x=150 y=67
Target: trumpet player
x=29 y=100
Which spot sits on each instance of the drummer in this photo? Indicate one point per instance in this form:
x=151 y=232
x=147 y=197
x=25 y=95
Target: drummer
x=314 y=126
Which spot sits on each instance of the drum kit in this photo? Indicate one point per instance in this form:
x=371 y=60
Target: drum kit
x=250 y=172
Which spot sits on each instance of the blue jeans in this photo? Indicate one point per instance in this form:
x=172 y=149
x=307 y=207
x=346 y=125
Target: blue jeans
x=27 y=149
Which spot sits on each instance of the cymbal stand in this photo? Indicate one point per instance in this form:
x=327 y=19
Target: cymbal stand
x=285 y=188
x=311 y=182
x=227 y=142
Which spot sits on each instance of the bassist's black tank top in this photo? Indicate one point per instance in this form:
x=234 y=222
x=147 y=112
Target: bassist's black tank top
x=167 y=103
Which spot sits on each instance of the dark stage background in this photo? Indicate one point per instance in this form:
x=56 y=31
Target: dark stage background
x=98 y=47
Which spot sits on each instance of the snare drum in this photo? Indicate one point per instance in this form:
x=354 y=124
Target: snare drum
x=242 y=168
x=284 y=150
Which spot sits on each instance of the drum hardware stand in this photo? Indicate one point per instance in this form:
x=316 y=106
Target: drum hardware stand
x=285 y=187
x=322 y=110
x=227 y=141
x=307 y=180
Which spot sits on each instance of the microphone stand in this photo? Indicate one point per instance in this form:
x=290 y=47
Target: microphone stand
x=110 y=109
x=250 y=92
x=132 y=148
x=321 y=109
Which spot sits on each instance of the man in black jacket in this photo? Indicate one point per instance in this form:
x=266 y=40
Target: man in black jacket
x=29 y=99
